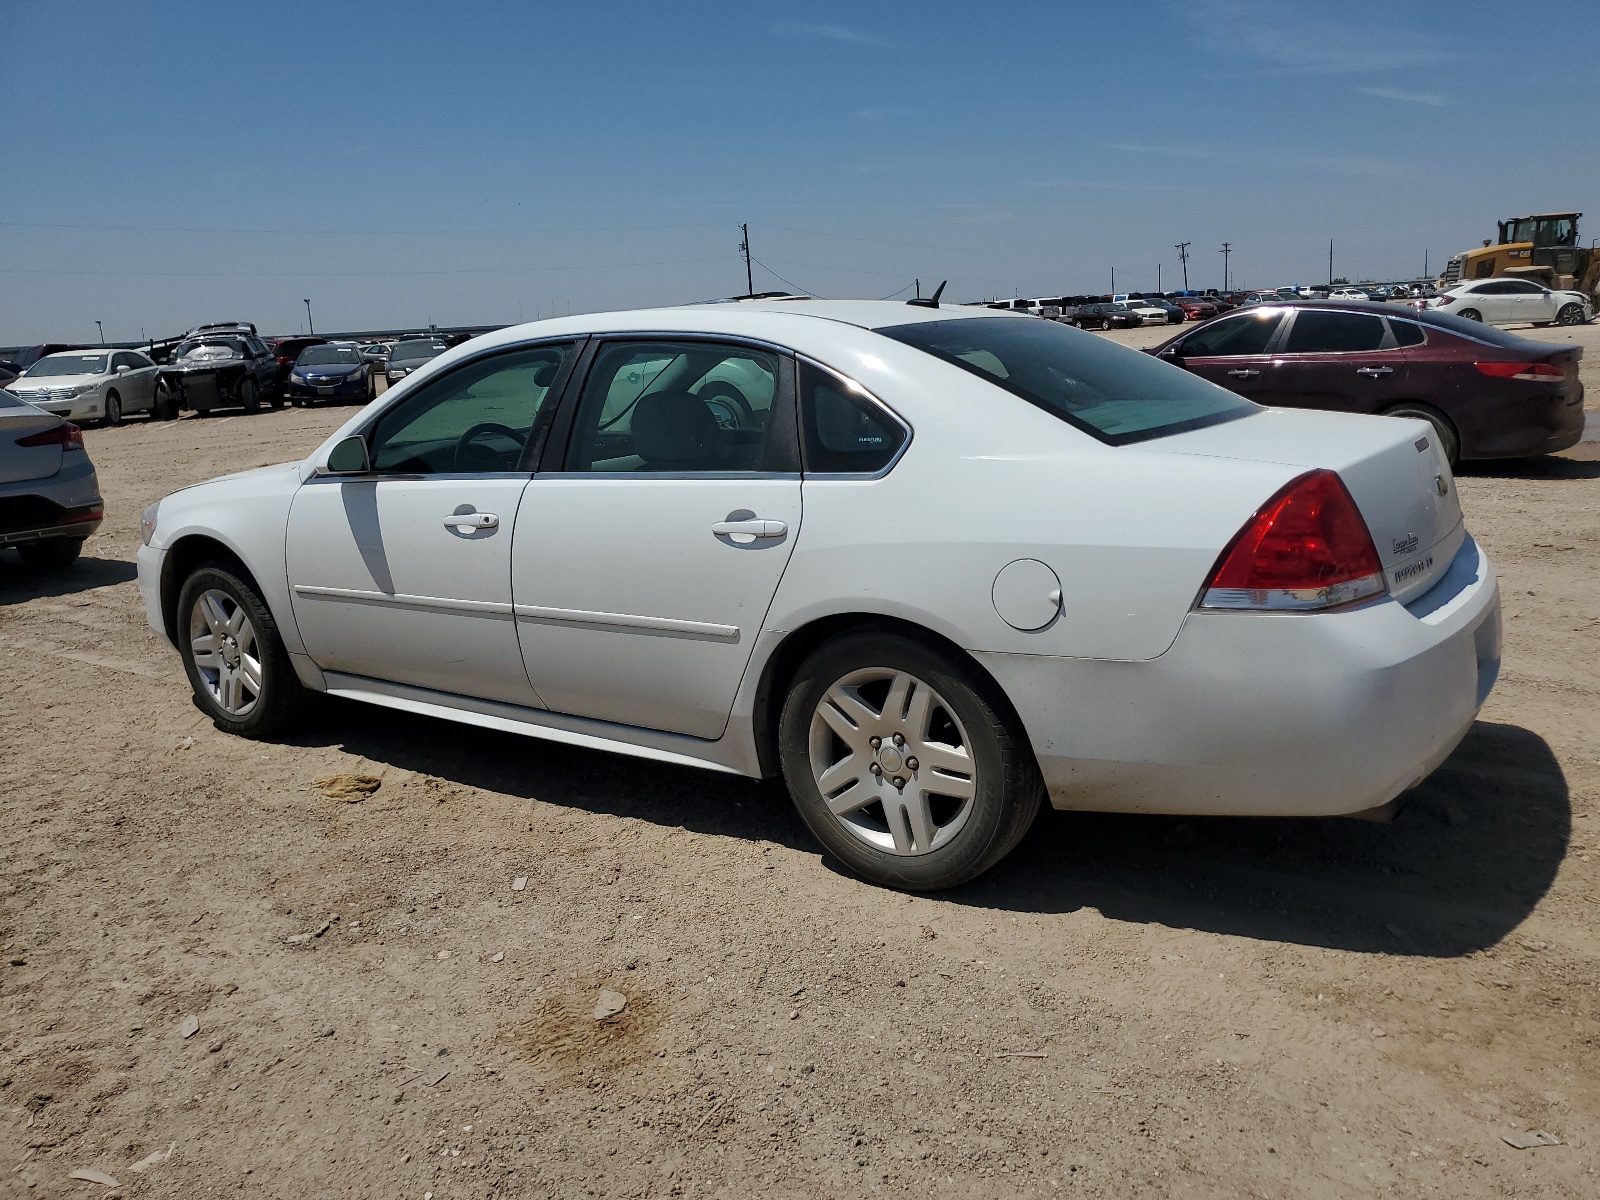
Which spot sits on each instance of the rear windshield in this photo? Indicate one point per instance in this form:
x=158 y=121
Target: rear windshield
x=1116 y=394
x=1471 y=329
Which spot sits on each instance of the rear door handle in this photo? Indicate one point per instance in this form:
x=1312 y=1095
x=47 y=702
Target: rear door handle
x=1243 y=373
x=472 y=520
x=752 y=528
x=1375 y=372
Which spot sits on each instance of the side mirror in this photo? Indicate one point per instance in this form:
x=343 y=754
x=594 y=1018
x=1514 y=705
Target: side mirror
x=123 y=369
x=349 y=457
x=1173 y=355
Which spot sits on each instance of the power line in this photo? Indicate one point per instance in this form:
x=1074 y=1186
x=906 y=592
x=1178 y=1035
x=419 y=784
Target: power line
x=675 y=262
x=795 y=286
x=351 y=232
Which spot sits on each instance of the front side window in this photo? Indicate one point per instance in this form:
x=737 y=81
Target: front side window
x=675 y=407
x=1318 y=332
x=477 y=419
x=1247 y=334
x=1521 y=287
x=845 y=433
x=1110 y=392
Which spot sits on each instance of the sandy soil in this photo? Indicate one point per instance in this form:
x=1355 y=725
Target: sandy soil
x=1127 y=1007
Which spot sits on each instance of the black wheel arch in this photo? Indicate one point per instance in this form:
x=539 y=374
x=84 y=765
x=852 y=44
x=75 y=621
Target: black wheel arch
x=784 y=663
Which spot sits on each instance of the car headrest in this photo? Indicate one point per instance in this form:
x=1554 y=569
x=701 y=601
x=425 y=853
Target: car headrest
x=673 y=429
x=543 y=374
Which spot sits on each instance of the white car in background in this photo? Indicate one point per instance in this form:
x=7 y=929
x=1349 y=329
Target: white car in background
x=930 y=565
x=89 y=385
x=1511 y=301
x=1150 y=314
x=1348 y=293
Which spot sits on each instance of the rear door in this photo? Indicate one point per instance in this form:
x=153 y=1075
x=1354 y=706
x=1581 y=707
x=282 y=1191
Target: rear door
x=1341 y=361
x=1232 y=353
x=646 y=563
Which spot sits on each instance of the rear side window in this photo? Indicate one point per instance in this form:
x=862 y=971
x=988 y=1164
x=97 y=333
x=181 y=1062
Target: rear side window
x=1110 y=392
x=1407 y=334
x=1248 y=334
x=1319 y=332
x=845 y=433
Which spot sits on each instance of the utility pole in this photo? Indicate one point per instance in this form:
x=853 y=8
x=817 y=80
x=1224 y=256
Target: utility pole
x=1113 y=281
x=309 y=326
x=1158 y=279
x=744 y=249
x=1425 y=274
x=1330 y=264
x=1227 y=249
x=102 y=330
x=1183 y=257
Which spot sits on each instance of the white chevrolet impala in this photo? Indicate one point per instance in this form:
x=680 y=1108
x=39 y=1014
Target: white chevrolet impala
x=931 y=565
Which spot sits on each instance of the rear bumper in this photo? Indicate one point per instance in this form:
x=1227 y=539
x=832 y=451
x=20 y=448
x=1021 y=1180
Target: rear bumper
x=1268 y=715
x=1506 y=423
x=64 y=505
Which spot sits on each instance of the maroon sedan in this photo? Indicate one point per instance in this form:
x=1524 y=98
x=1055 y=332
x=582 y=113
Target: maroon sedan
x=1488 y=393
x=1195 y=309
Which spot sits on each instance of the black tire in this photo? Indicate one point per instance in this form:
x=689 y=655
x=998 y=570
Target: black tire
x=1449 y=440
x=281 y=694
x=1007 y=788
x=1570 y=314
x=372 y=389
x=163 y=407
x=1470 y=314
x=113 y=413
x=54 y=554
x=249 y=396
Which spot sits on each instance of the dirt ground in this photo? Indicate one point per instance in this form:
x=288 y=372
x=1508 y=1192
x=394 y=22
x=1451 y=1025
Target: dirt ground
x=1128 y=1006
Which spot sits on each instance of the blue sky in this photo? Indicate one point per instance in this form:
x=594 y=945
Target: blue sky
x=472 y=162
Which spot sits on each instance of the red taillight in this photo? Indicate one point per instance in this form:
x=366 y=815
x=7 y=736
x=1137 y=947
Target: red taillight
x=66 y=435
x=1443 y=300
x=1521 y=370
x=1306 y=548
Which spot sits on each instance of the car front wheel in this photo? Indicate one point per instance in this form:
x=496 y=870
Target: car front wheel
x=113 y=410
x=249 y=396
x=1570 y=314
x=905 y=762
x=236 y=662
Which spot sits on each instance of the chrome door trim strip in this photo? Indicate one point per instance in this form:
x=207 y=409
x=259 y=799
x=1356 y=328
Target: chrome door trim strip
x=626 y=621
x=485 y=608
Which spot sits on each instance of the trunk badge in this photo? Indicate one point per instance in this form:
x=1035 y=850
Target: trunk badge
x=1405 y=545
x=1439 y=485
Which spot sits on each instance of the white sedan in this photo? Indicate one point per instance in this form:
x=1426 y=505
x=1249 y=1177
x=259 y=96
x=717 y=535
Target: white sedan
x=930 y=565
x=1510 y=301
x=90 y=385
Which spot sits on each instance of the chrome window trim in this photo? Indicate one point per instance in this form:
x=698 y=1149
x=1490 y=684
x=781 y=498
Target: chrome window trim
x=792 y=475
x=851 y=386
x=325 y=476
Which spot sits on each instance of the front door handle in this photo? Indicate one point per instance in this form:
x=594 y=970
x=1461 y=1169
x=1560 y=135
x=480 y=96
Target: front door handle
x=751 y=528
x=1375 y=372
x=472 y=520
x=1243 y=373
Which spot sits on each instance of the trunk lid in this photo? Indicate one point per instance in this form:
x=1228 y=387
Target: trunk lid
x=1392 y=466
x=21 y=463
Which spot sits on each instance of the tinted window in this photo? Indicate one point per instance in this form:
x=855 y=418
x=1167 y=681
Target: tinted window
x=1116 y=394
x=1521 y=287
x=1407 y=334
x=675 y=406
x=1488 y=289
x=1319 y=332
x=1248 y=334
x=418 y=351
x=1476 y=330
x=845 y=433
x=473 y=420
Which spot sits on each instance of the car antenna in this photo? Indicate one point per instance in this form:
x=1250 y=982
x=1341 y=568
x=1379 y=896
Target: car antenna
x=932 y=301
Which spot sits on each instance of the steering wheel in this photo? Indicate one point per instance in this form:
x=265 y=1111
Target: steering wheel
x=465 y=449
x=727 y=405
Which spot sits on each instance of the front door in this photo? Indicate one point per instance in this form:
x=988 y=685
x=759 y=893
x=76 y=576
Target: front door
x=1232 y=353
x=1534 y=303
x=644 y=568
x=1343 y=361
x=404 y=573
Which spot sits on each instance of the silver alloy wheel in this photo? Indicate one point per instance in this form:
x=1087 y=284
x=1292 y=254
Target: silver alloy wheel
x=222 y=642
x=892 y=761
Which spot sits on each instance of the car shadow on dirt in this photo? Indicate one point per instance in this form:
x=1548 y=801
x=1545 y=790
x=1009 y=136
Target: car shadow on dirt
x=1549 y=467
x=20 y=582
x=1470 y=855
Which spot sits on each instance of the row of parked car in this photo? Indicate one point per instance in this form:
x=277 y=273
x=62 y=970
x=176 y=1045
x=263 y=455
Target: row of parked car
x=222 y=365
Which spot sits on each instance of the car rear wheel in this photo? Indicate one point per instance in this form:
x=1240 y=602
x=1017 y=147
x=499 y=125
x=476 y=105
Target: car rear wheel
x=236 y=663
x=905 y=762
x=113 y=410
x=249 y=396
x=1570 y=314
x=56 y=554
x=1449 y=440
x=1470 y=314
